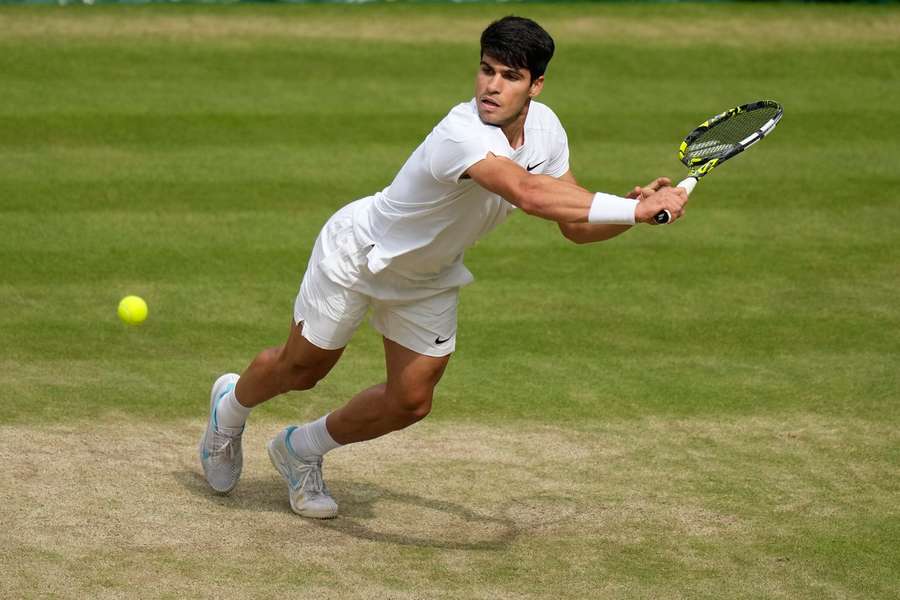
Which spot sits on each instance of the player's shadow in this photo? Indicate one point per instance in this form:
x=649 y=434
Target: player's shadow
x=470 y=530
x=262 y=494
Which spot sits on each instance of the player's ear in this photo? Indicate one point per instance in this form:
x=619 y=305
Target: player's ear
x=536 y=86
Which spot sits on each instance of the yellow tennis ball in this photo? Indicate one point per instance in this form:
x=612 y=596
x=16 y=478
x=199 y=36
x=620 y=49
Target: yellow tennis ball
x=133 y=310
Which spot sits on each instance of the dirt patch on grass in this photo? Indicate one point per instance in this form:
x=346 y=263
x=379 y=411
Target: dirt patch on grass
x=668 y=28
x=440 y=510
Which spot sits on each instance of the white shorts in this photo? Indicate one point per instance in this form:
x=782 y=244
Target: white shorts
x=338 y=289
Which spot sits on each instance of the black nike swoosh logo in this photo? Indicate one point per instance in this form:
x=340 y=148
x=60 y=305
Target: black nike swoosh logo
x=438 y=339
x=533 y=167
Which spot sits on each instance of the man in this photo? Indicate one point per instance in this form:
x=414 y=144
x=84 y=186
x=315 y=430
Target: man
x=399 y=253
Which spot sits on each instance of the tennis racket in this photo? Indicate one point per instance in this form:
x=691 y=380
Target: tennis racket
x=722 y=137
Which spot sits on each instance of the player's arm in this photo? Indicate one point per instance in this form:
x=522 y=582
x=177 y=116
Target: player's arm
x=586 y=233
x=566 y=202
x=538 y=195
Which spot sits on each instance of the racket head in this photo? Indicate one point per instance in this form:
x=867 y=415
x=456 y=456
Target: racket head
x=728 y=134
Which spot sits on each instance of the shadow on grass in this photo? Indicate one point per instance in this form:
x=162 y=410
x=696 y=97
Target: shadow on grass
x=465 y=528
x=261 y=494
x=471 y=530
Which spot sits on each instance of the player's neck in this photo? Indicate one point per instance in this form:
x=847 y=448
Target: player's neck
x=515 y=129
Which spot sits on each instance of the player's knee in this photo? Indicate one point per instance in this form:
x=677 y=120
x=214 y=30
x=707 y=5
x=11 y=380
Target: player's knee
x=414 y=406
x=267 y=359
x=420 y=411
x=300 y=376
x=304 y=377
x=304 y=380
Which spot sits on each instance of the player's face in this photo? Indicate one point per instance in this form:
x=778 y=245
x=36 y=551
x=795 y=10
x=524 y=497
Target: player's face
x=502 y=92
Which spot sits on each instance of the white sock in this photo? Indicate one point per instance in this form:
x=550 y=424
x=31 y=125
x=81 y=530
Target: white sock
x=312 y=439
x=231 y=414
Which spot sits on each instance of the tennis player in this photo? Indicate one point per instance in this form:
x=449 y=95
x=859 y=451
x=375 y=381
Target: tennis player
x=399 y=254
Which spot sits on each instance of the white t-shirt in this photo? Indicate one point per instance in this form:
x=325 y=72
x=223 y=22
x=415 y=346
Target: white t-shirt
x=424 y=221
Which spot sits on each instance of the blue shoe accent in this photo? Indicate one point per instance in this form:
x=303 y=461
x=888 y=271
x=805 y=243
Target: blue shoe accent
x=215 y=419
x=307 y=492
x=287 y=440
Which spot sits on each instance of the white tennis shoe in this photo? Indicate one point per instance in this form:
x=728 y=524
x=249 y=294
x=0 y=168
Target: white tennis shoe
x=306 y=488
x=220 y=450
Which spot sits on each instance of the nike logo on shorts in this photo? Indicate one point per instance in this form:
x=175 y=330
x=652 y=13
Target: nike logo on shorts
x=439 y=341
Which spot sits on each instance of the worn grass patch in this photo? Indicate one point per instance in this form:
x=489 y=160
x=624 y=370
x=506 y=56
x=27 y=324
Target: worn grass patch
x=745 y=507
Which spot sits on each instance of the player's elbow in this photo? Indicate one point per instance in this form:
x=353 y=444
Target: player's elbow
x=577 y=233
x=573 y=234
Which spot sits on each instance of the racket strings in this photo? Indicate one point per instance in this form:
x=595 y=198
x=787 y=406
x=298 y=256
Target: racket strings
x=725 y=136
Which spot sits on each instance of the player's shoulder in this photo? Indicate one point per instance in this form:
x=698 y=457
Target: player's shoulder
x=542 y=117
x=463 y=122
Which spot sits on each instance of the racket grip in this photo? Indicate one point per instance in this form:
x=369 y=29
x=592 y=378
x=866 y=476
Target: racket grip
x=687 y=184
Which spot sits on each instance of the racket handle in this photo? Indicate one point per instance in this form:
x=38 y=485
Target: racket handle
x=687 y=184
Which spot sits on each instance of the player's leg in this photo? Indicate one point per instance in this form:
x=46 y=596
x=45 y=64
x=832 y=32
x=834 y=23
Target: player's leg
x=402 y=400
x=419 y=337
x=295 y=365
x=298 y=364
x=418 y=340
x=326 y=314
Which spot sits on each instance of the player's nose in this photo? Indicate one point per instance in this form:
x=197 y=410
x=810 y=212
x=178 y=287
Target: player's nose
x=495 y=83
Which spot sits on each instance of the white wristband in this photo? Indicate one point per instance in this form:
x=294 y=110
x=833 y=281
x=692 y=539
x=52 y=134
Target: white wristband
x=607 y=208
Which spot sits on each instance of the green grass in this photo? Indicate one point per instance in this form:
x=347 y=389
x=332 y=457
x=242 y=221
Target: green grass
x=190 y=154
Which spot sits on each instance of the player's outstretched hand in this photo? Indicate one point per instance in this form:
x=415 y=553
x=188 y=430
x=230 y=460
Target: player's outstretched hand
x=671 y=199
x=649 y=189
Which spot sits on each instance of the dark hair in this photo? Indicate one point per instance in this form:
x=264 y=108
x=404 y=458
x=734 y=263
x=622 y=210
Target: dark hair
x=519 y=43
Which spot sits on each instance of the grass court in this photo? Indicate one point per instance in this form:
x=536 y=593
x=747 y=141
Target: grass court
x=708 y=410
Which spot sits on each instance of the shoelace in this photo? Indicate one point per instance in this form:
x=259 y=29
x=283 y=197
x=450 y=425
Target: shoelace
x=313 y=481
x=224 y=444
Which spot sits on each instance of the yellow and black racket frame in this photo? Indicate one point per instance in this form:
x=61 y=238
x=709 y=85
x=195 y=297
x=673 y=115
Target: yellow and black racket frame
x=701 y=165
